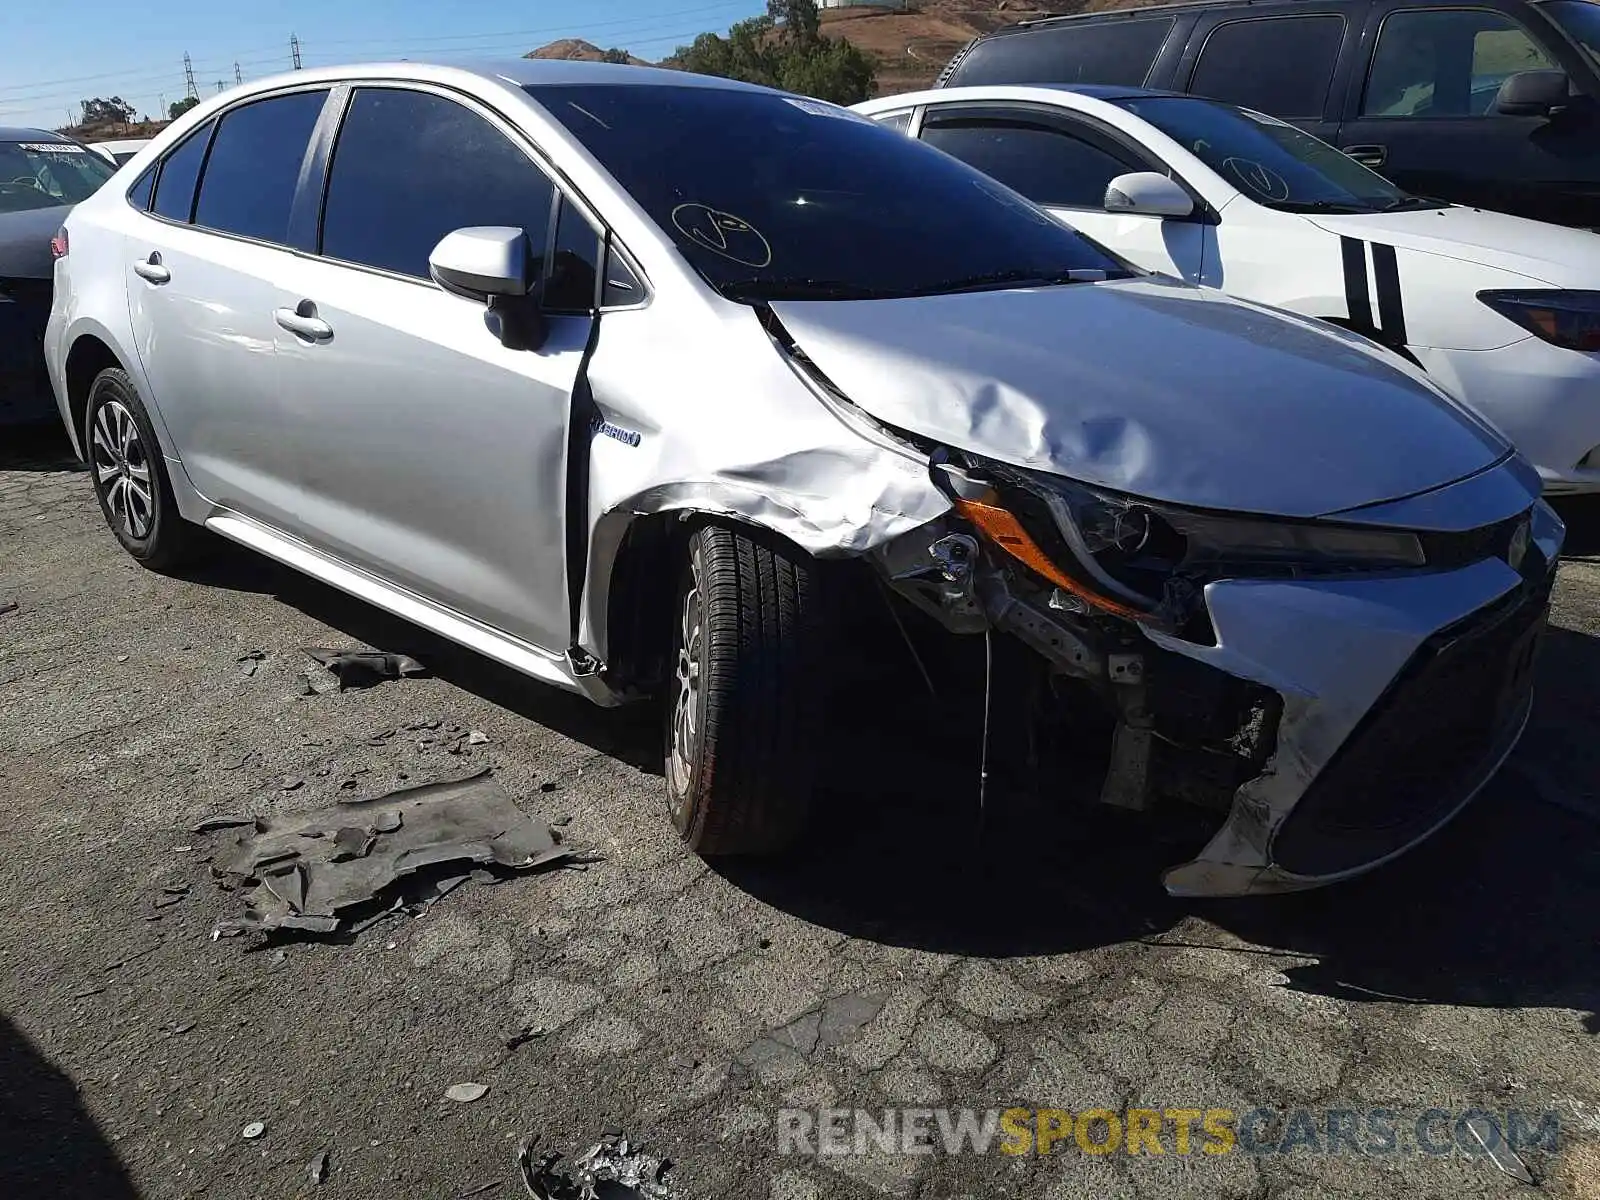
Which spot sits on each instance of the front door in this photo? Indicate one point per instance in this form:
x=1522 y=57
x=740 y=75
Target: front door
x=432 y=456
x=1425 y=118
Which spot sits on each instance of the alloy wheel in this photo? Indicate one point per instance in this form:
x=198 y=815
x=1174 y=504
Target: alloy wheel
x=686 y=702
x=122 y=469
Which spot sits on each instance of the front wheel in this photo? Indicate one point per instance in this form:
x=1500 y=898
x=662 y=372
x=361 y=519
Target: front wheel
x=744 y=718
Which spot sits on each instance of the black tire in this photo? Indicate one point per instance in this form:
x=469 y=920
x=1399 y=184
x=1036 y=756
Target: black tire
x=144 y=519
x=739 y=782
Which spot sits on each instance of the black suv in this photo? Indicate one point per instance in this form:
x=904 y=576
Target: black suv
x=1494 y=103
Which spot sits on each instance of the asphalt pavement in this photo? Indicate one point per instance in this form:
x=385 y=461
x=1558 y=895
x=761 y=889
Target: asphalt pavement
x=910 y=960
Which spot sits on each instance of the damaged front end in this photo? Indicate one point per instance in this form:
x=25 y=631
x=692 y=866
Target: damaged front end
x=1337 y=689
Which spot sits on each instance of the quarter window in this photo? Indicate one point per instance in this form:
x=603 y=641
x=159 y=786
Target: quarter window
x=139 y=193
x=1446 y=63
x=574 y=266
x=1280 y=65
x=180 y=170
x=897 y=121
x=410 y=167
x=254 y=166
x=1045 y=164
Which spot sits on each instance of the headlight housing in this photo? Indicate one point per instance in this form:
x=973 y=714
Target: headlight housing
x=1135 y=558
x=1569 y=319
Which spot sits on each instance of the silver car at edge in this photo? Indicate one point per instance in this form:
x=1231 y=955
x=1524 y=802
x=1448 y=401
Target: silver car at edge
x=625 y=378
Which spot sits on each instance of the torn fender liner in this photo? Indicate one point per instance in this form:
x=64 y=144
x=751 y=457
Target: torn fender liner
x=305 y=871
x=363 y=668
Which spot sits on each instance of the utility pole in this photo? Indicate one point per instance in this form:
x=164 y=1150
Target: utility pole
x=190 y=91
x=164 y=107
x=237 y=78
x=294 y=50
x=219 y=87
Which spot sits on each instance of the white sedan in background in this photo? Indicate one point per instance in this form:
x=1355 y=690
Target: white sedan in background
x=1502 y=312
x=119 y=151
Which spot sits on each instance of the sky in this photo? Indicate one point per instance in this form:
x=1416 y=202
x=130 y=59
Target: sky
x=54 y=55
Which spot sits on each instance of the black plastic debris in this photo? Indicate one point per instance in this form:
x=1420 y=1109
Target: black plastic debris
x=611 y=1169
x=423 y=840
x=212 y=824
x=363 y=668
x=7 y=606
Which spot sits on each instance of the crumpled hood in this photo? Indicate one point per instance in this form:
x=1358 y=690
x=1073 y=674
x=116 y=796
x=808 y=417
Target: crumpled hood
x=25 y=241
x=1164 y=391
x=1552 y=254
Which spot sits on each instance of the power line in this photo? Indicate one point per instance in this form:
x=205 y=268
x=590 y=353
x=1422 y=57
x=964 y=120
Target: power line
x=8 y=96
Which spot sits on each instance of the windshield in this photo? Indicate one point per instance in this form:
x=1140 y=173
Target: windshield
x=777 y=197
x=1581 y=20
x=1271 y=161
x=46 y=174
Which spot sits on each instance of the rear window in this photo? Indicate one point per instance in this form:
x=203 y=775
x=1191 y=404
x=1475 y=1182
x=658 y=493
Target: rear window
x=1103 y=52
x=46 y=173
x=771 y=196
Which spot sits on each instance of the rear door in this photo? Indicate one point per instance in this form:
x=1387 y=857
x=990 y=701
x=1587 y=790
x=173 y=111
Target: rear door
x=1421 y=111
x=1287 y=63
x=202 y=271
x=1064 y=162
x=1116 y=50
x=433 y=456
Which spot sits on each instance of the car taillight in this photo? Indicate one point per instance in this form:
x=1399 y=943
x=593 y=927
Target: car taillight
x=58 y=244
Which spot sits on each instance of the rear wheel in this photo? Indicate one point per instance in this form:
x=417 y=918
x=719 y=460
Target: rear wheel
x=130 y=476
x=744 y=719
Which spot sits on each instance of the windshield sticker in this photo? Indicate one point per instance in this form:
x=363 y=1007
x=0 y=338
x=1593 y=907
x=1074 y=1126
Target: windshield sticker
x=1263 y=181
x=723 y=233
x=52 y=148
x=818 y=109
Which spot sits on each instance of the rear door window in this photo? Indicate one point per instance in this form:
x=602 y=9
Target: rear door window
x=254 y=166
x=180 y=171
x=1446 y=62
x=1277 y=65
x=1044 y=163
x=409 y=167
x=1071 y=52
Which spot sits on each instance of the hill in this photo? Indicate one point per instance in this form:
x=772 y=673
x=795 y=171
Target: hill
x=577 y=48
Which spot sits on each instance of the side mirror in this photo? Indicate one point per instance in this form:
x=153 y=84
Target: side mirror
x=1532 y=94
x=493 y=264
x=1148 y=194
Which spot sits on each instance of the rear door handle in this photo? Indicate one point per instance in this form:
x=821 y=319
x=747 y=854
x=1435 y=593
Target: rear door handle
x=150 y=269
x=1368 y=156
x=303 y=324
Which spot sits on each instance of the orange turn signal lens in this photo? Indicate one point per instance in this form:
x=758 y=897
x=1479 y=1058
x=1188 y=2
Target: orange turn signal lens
x=1005 y=531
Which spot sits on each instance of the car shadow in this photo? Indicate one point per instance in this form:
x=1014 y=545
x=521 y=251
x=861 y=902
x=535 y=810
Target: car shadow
x=37 y=447
x=1498 y=906
x=49 y=1144
x=1582 y=515
x=631 y=734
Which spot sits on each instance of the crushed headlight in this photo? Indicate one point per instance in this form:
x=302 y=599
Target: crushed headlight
x=1129 y=557
x=1570 y=319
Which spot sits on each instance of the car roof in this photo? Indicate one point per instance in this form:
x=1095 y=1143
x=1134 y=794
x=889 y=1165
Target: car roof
x=21 y=133
x=1134 y=12
x=519 y=72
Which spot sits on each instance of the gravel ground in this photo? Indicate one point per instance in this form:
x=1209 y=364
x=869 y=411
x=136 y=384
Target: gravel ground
x=906 y=961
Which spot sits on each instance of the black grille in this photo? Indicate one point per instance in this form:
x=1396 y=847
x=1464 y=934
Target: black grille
x=1427 y=743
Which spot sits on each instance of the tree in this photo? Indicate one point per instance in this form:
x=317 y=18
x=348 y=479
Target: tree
x=115 y=111
x=784 y=49
x=178 y=107
x=615 y=55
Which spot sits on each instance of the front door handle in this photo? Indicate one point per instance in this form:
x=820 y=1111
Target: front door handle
x=302 y=322
x=150 y=269
x=1368 y=156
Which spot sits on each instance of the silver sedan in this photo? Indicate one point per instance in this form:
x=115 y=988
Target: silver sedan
x=645 y=383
